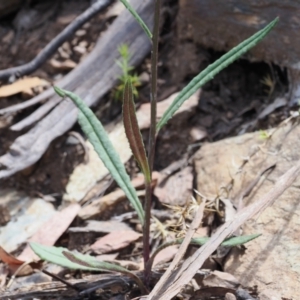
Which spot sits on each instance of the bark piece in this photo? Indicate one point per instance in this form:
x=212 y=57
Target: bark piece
x=22 y=85
x=114 y=241
x=51 y=230
x=101 y=226
x=28 y=216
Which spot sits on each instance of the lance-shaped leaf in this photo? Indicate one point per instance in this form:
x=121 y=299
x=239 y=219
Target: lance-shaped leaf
x=230 y=242
x=212 y=70
x=138 y=18
x=89 y=261
x=98 y=137
x=77 y=261
x=132 y=131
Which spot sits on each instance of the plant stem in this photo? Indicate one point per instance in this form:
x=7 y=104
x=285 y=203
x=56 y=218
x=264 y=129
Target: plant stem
x=152 y=137
x=146 y=233
x=153 y=94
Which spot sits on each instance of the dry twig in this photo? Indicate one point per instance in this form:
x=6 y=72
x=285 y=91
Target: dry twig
x=55 y=43
x=194 y=226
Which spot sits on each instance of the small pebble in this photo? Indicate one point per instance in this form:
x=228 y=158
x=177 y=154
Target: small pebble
x=198 y=134
x=79 y=50
x=230 y=296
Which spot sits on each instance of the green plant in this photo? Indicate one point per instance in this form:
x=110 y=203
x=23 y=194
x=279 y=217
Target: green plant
x=77 y=261
x=98 y=137
x=123 y=63
x=264 y=135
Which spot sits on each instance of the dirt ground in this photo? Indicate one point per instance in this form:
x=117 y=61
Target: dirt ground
x=229 y=105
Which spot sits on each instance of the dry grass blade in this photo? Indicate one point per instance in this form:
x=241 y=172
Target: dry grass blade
x=194 y=226
x=174 y=284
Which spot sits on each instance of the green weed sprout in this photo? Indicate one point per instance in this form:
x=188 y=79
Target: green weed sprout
x=95 y=132
x=123 y=63
x=264 y=135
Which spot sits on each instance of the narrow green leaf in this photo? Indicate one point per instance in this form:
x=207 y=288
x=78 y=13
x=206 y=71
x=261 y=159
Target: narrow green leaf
x=138 y=18
x=240 y=240
x=55 y=255
x=91 y=262
x=98 y=137
x=62 y=256
x=132 y=130
x=233 y=241
x=87 y=260
x=212 y=70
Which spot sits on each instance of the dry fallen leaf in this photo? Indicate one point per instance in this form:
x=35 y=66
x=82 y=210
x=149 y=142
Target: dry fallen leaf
x=51 y=230
x=101 y=226
x=220 y=279
x=28 y=216
x=65 y=65
x=177 y=189
x=8 y=258
x=109 y=201
x=15 y=265
x=22 y=85
x=114 y=241
x=165 y=255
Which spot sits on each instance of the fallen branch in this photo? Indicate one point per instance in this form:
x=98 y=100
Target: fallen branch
x=50 y=49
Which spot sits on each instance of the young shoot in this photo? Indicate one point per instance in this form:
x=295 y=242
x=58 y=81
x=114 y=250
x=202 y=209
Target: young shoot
x=124 y=64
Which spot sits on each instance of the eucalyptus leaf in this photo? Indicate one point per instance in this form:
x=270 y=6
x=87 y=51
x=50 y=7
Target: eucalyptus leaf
x=98 y=137
x=212 y=70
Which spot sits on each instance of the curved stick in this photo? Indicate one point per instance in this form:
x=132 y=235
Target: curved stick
x=55 y=43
